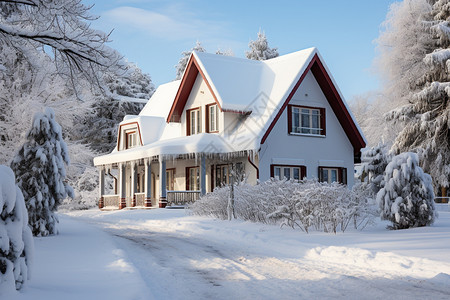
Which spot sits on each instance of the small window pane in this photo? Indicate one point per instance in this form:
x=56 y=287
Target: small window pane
x=287 y=173
x=334 y=176
x=315 y=122
x=296 y=173
x=305 y=121
x=277 y=172
x=325 y=175
x=295 y=120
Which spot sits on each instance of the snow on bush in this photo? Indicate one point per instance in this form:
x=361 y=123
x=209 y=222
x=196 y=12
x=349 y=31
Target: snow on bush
x=374 y=162
x=407 y=197
x=16 y=241
x=41 y=175
x=305 y=205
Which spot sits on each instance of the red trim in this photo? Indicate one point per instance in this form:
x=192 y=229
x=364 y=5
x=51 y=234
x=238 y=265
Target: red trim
x=187 y=82
x=120 y=134
x=341 y=178
x=187 y=175
x=334 y=99
x=188 y=119
x=207 y=115
x=253 y=164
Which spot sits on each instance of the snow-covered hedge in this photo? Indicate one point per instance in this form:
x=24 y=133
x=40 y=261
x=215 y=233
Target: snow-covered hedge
x=305 y=205
x=16 y=240
x=407 y=197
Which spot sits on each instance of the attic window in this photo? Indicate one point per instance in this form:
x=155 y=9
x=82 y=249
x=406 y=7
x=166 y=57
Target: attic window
x=306 y=120
x=130 y=139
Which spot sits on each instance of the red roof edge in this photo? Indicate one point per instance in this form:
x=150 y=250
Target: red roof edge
x=334 y=99
x=187 y=82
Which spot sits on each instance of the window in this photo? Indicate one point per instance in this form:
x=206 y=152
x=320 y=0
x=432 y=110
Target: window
x=287 y=172
x=306 y=120
x=130 y=139
x=212 y=119
x=223 y=175
x=193 y=178
x=333 y=174
x=170 y=179
x=194 y=124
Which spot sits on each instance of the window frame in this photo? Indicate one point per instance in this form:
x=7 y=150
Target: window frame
x=131 y=133
x=302 y=171
x=170 y=184
x=208 y=119
x=342 y=174
x=322 y=120
x=198 y=121
x=189 y=179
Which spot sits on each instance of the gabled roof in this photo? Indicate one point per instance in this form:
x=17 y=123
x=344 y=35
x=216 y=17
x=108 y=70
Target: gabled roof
x=259 y=89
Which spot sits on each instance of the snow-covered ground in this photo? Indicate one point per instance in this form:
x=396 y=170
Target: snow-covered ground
x=167 y=254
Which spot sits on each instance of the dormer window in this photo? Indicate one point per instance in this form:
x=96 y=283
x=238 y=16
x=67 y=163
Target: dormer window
x=212 y=121
x=194 y=125
x=306 y=120
x=130 y=139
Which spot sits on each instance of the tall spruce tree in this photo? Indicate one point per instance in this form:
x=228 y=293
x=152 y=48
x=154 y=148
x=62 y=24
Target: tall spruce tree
x=40 y=172
x=426 y=117
x=182 y=63
x=259 y=49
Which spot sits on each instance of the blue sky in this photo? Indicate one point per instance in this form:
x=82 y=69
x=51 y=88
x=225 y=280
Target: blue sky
x=153 y=33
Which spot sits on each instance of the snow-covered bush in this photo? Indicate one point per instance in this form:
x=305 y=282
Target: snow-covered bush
x=40 y=172
x=306 y=204
x=407 y=197
x=374 y=162
x=16 y=241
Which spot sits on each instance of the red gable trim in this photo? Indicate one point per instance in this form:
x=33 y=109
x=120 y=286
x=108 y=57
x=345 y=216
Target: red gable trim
x=187 y=82
x=334 y=99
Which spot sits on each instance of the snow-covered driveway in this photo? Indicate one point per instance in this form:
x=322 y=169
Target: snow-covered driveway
x=186 y=257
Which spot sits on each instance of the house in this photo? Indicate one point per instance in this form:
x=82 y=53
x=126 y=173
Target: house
x=282 y=118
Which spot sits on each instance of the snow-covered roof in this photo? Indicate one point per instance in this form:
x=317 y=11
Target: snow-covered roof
x=260 y=89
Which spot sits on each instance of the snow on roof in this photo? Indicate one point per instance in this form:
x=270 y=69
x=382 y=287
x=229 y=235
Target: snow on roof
x=240 y=85
x=161 y=101
x=193 y=144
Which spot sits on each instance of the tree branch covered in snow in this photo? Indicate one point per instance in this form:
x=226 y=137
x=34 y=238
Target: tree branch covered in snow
x=182 y=63
x=259 y=49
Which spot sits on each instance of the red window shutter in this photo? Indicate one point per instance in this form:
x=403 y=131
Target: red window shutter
x=207 y=118
x=323 y=124
x=271 y=171
x=289 y=117
x=187 y=179
x=302 y=172
x=188 y=122
x=320 y=174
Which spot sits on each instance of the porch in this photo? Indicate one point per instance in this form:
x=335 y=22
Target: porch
x=184 y=179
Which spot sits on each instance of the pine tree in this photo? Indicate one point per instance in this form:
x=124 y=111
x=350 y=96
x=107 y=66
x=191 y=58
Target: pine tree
x=16 y=241
x=259 y=49
x=182 y=63
x=40 y=172
x=426 y=117
x=374 y=162
x=406 y=198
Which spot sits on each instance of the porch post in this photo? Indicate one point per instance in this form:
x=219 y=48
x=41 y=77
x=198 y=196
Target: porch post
x=203 y=175
x=148 y=183
x=122 y=185
x=133 y=183
x=101 y=186
x=162 y=183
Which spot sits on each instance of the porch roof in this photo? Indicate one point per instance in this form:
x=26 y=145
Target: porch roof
x=209 y=144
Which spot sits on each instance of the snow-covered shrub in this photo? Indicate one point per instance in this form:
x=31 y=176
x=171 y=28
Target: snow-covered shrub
x=407 y=198
x=374 y=162
x=306 y=204
x=40 y=172
x=16 y=241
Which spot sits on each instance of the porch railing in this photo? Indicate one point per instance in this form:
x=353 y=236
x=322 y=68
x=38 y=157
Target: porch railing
x=182 y=197
x=111 y=201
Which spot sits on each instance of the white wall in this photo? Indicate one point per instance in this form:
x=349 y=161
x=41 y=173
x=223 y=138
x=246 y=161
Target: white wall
x=335 y=148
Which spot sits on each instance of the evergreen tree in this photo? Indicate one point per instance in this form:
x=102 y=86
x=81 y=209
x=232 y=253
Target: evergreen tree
x=406 y=198
x=426 y=117
x=374 y=162
x=259 y=49
x=182 y=63
x=40 y=172
x=16 y=241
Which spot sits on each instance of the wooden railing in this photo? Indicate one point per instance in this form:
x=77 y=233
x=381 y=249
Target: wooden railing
x=442 y=199
x=111 y=201
x=182 y=197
